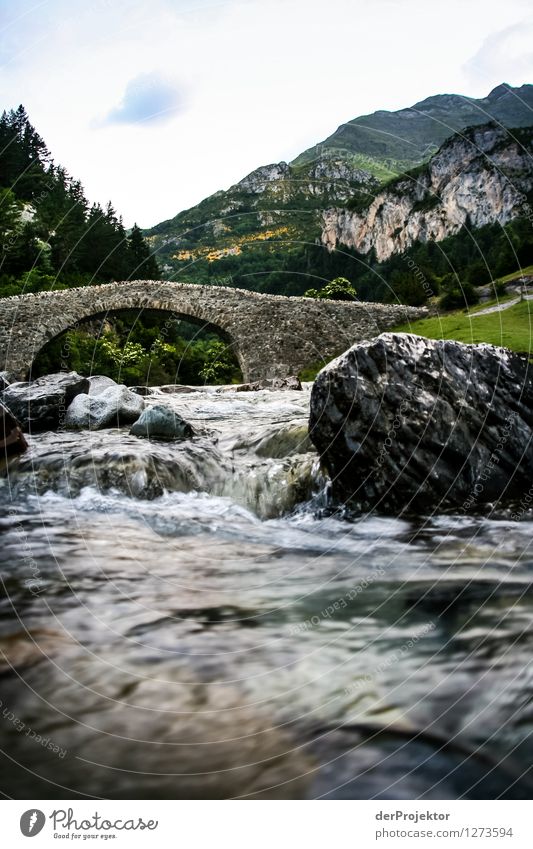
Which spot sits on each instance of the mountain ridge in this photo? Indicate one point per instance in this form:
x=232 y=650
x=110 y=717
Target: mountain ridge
x=262 y=232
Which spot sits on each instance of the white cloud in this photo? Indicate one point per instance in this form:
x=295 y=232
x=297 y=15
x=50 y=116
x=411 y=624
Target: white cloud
x=264 y=79
x=507 y=54
x=148 y=98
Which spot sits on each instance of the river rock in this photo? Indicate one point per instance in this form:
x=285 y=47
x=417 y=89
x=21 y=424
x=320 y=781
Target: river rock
x=4 y=380
x=113 y=406
x=11 y=437
x=176 y=389
x=142 y=390
x=41 y=404
x=290 y=383
x=408 y=423
x=160 y=422
x=245 y=387
x=99 y=382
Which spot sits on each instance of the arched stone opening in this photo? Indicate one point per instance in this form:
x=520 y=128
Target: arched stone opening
x=145 y=337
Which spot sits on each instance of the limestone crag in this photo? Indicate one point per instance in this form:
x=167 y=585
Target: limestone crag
x=482 y=176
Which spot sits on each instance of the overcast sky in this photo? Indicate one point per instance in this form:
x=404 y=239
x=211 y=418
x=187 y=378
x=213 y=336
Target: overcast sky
x=155 y=104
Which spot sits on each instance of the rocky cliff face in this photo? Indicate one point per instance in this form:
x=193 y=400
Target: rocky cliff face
x=277 y=201
x=481 y=176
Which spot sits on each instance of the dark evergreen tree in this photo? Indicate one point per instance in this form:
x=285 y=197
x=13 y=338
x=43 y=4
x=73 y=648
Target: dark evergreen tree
x=143 y=261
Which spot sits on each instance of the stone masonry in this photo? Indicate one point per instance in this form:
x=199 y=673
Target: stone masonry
x=272 y=335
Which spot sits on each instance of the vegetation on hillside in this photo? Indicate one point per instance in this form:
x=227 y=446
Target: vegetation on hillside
x=339 y=289
x=512 y=327
x=399 y=140
x=50 y=236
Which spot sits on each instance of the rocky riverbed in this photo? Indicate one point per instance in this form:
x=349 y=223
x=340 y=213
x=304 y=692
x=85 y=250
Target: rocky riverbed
x=195 y=618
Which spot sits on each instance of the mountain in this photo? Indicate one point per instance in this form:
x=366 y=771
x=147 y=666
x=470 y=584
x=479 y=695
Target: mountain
x=260 y=223
x=479 y=177
x=266 y=232
x=387 y=143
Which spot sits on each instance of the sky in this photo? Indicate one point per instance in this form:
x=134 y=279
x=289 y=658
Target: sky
x=156 y=105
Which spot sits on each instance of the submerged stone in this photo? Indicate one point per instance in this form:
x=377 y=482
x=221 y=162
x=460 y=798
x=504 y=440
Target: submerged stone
x=160 y=422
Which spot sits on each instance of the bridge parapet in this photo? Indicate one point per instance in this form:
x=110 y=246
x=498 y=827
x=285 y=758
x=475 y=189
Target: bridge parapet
x=272 y=335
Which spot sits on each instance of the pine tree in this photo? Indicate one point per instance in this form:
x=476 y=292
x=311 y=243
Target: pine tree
x=144 y=264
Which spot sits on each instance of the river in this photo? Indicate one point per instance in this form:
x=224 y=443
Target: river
x=195 y=620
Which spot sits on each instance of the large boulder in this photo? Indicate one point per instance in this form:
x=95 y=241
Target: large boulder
x=408 y=423
x=111 y=407
x=160 y=422
x=41 y=404
x=98 y=383
x=11 y=437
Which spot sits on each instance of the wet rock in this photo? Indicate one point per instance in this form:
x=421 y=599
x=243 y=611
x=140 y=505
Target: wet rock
x=112 y=407
x=407 y=423
x=273 y=383
x=246 y=387
x=11 y=437
x=100 y=382
x=113 y=460
x=160 y=422
x=41 y=404
x=285 y=441
x=176 y=388
x=292 y=382
x=4 y=380
x=143 y=391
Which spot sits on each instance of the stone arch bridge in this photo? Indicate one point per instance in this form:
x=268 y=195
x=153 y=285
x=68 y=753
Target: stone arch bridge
x=272 y=335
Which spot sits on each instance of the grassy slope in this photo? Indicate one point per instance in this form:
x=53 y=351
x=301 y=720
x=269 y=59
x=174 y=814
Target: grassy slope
x=512 y=327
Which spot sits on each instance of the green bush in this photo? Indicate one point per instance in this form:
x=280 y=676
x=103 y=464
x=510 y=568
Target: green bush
x=462 y=295
x=339 y=289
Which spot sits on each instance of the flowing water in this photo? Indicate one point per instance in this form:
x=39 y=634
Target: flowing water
x=191 y=619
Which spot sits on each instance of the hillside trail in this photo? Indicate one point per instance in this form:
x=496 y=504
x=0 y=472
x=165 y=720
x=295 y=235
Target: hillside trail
x=499 y=307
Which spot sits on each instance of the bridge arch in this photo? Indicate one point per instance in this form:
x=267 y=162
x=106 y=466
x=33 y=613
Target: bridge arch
x=166 y=317
x=272 y=335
